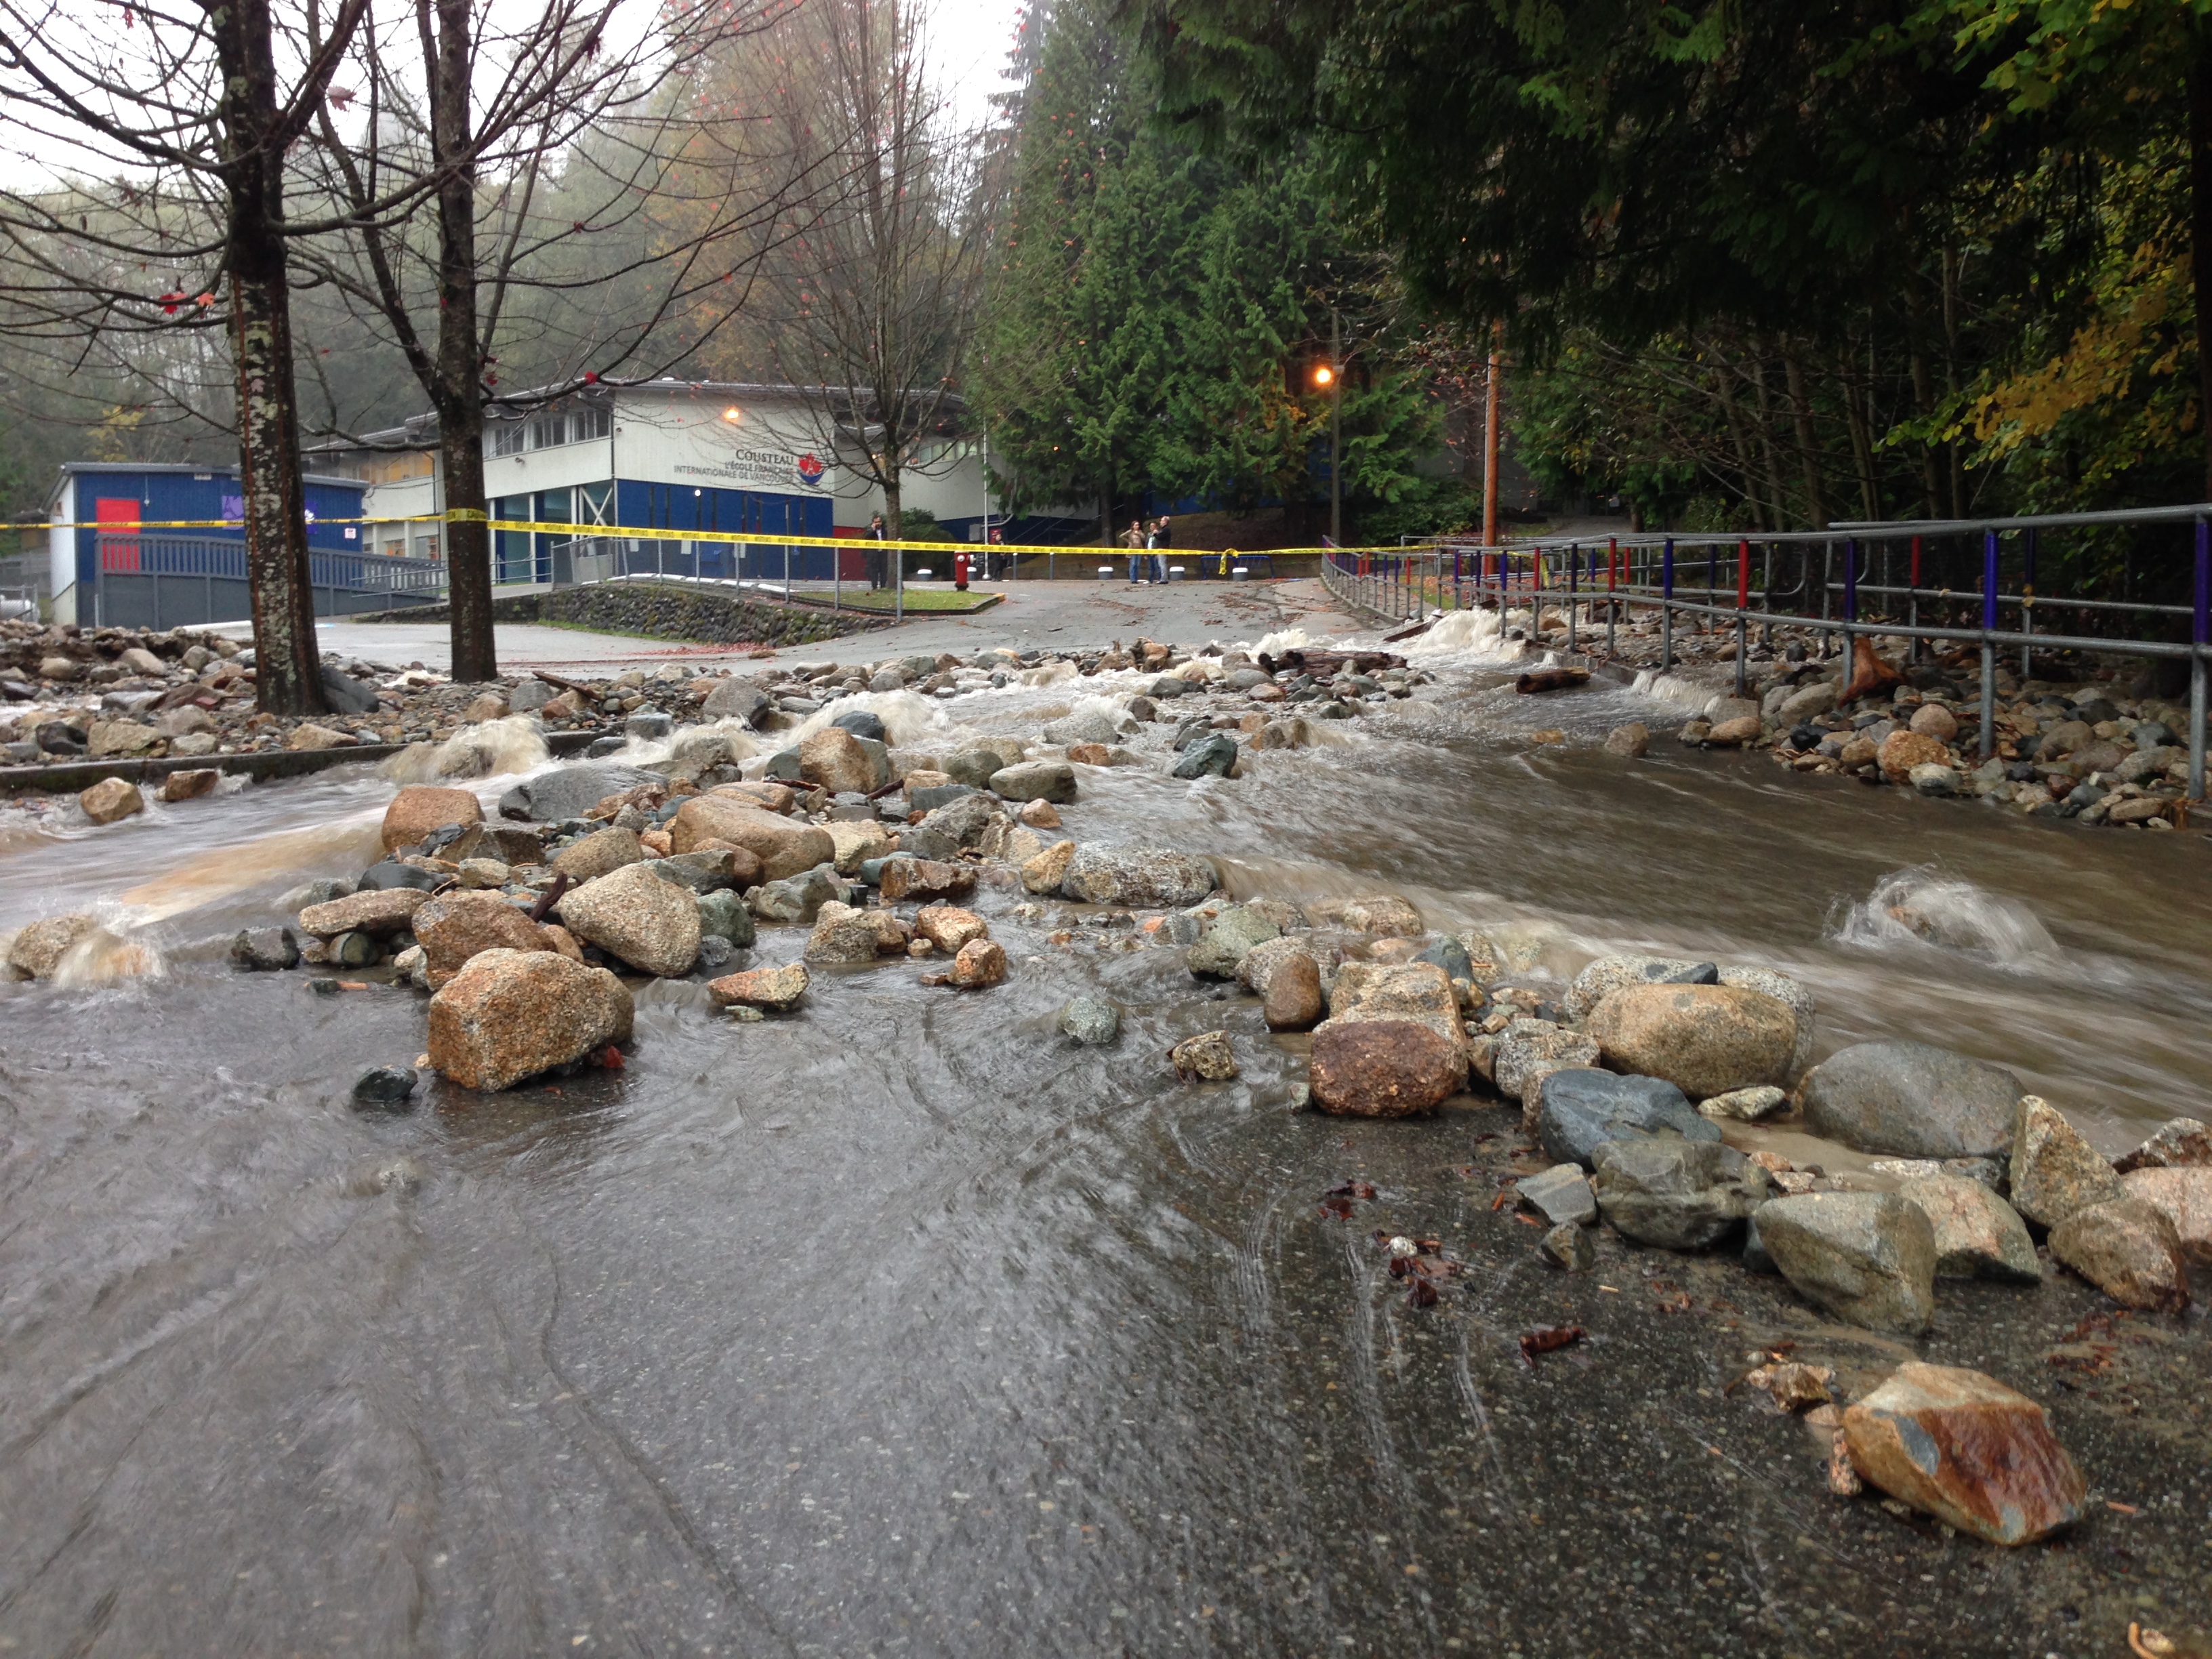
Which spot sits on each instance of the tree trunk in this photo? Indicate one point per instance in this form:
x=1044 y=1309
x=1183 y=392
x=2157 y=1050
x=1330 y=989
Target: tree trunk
x=1924 y=395
x=1808 y=454
x=893 y=494
x=460 y=349
x=1771 y=456
x=287 y=671
x=1855 y=417
x=2200 y=236
x=1956 y=462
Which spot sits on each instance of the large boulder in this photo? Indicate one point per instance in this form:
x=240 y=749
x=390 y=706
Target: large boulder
x=599 y=853
x=1045 y=781
x=1911 y=1099
x=651 y=924
x=776 y=989
x=1137 y=877
x=1602 y=977
x=37 y=951
x=1416 y=991
x=1967 y=1450
x=1705 y=1039
x=1529 y=1050
x=1382 y=914
x=2129 y=1250
x=734 y=699
x=1222 y=948
x=833 y=759
x=784 y=846
x=2182 y=1196
x=378 y=912
x=1382 y=1068
x=2179 y=1143
x=1866 y=1258
x=2054 y=1171
x=571 y=791
x=1787 y=991
x=1978 y=1234
x=454 y=930
x=1293 y=1000
x=925 y=880
x=1579 y=1108
x=511 y=1014
x=1680 y=1195
x=418 y=810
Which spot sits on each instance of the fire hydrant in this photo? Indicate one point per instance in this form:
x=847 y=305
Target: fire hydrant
x=960 y=570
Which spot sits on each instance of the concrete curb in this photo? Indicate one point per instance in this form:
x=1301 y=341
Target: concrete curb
x=68 y=777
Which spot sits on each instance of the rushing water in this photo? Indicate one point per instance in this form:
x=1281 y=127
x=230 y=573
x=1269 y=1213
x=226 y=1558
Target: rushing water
x=903 y=1327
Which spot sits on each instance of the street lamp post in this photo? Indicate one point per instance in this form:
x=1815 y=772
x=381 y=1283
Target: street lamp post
x=1331 y=374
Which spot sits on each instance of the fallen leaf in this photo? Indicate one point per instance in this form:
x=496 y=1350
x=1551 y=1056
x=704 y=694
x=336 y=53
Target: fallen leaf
x=1546 y=1338
x=2125 y=1509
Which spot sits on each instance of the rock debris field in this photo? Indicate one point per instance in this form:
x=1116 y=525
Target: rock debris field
x=744 y=834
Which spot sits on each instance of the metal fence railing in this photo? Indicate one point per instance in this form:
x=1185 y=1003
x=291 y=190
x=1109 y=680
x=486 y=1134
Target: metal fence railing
x=149 y=579
x=2130 y=584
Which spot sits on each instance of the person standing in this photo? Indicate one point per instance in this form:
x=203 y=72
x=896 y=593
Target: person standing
x=1160 y=546
x=1133 y=539
x=879 y=570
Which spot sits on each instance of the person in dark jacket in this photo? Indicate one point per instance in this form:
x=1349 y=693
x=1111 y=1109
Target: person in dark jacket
x=878 y=563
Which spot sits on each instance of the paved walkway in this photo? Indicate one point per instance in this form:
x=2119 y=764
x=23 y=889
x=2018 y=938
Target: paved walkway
x=1043 y=616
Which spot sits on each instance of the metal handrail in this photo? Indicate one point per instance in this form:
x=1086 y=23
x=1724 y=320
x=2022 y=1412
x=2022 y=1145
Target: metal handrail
x=1398 y=583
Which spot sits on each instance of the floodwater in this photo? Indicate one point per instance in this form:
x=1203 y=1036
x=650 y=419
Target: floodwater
x=904 y=1327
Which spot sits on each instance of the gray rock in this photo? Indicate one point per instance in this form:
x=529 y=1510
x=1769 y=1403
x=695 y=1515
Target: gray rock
x=934 y=845
x=1609 y=974
x=1137 y=877
x=702 y=873
x=355 y=950
x=1569 y=1247
x=1451 y=956
x=386 y=1089
x=2181 y=1143
x=1223 y=947
x=387 y=874
x=265 y=950
x=608 y=745
x=1212 y=756
x=1978 y=1234
x=723 y=915
x=937 y=795
x=1680 y=1195
x=974 y=766
x=650 y=725
x=715 y=953
x=965 y=818
x=798 y=898
x=1561 y=1194
x=1744 y=1105
x=733 y=699
x=346 y=694
x=862 y=724
x=1088 y=725
x=784 y=767
x=1912 y=1099
x=572 y=791
x=1091 y=1021
x=1529 y=1050
x=1046 y=780
x=322 y=891
x=1581 y=1108
x=1868 y=1258
x=1755 y=1258
x=530 y=693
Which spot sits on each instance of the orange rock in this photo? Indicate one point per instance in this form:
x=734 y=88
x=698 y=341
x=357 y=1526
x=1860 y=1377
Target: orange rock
x=1968 y=1450
x=455 y=928
x=510 y=1014
x=1905 y=749
x=1087 y=754
x=1382 y=1068
x=420 y=808
x=980 y=961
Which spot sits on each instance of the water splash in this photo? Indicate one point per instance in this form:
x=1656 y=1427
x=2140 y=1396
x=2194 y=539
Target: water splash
x=1288 y=639
x=1921 y=909
x=515 y=743
x=909 y=718
x=101 y=957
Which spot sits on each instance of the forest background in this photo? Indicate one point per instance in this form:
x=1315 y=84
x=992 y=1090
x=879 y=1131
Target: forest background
x=1750 y=264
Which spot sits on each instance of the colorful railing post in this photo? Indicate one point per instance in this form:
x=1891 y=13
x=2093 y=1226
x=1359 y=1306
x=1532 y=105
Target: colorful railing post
x=2200 y=630
x=1667 y=607
x=1988 y=644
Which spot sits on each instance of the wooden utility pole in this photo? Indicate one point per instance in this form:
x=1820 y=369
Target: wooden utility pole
x=1335 y=430
x=1489 y=440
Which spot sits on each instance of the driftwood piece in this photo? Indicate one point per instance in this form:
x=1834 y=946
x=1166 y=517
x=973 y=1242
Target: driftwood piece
x=1322 y=664
x=1869 y=674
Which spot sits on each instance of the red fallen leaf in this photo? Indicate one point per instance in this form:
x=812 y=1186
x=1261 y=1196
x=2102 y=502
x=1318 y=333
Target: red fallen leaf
x=1545 y=1338
x=1423 y=1295
x=2123 y=1509
x=610 y=1059
x=1503 y=1199
x=1526 y=1220
x=1337 y=1209
x=1352 y=1189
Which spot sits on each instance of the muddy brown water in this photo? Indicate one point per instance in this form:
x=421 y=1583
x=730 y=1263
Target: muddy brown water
x=903 y=1327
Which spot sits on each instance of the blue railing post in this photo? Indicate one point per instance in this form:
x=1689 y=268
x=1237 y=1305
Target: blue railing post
x=2200 y=630
x=1989 y=645
x=1574 y=591
x=1667 y=607
x=2027 y=607
x=1850 y=586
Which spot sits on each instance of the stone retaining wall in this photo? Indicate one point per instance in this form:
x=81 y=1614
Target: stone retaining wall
x=663 y=611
